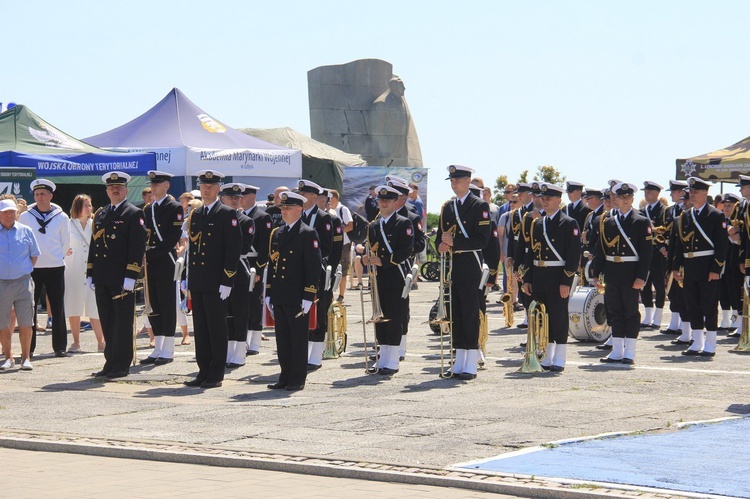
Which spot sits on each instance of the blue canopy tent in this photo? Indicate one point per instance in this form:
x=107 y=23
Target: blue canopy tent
x=28 y=143
x=186 y=140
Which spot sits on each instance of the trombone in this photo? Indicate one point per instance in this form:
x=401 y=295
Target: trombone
x=377 y=312
x=444 y=317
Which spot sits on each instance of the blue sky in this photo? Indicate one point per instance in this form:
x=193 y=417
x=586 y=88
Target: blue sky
x=599 y=89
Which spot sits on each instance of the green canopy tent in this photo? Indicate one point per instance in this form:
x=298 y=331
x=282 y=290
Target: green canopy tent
x=321 y=163
x=30 y=143
x=723 y=165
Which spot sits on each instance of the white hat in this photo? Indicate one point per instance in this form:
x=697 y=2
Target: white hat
x=115 y=178
x=458 y=171
x=209 y=177
x=42 y=183
x=309 y=186
x=7 y=205
x=624 y=188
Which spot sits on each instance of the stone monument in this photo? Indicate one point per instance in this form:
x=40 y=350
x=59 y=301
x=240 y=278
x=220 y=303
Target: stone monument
x=360 y=108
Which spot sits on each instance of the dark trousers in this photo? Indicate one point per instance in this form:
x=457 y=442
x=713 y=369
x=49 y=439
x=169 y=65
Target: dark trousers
x=655 y=283
x=210 y=329
x=557 y=315
x=255 y=308
x=325 y=298
x=389 y=333
x=53 y=279
x=701 y=303
x=163 y=299
x=622 y=311
x=677 y=301
x=730 y=291
x=291 y=343
x=465 y=314
x=405 y=315
x=238 y=311
x=117 y=316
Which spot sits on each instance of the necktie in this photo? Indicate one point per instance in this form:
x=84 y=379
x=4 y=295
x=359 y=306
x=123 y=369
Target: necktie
x=205 y=210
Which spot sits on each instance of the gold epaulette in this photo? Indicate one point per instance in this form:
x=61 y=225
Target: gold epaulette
x=133 y=267
x=311 y=289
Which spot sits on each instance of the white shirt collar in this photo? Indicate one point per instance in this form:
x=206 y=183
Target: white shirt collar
x=157 y=203
x=463 y=199
x=625 y=215
x=385 y=219
x=210 y=206
x=553 y=214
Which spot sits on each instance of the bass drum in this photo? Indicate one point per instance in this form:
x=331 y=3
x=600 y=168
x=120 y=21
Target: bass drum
x=588 y=316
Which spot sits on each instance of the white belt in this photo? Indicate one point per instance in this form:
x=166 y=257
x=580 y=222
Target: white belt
x=549 y=263
x=250 y=254
x=458 y=252
x=620 y=259
x=694 y=254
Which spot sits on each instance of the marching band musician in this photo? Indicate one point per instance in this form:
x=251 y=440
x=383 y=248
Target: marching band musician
x=320 y=221
x=464 y=230
x=656 y=281
x=325 y=294
x=576 y=209
x=118 y=242
x=701 y=249
x=256 y=259
x=685 y=337
x=730 y=293
x=402 y=208
x=238 y=310
x=741 y=237
x=391 y=239
x=520 y=223
x=491 y=254
x=623 y=255
x=293 y=278
x=676 y=300
x=555 y=245
x=215 y=242
x=595 y=203
x=607 y=210
x=164 y=229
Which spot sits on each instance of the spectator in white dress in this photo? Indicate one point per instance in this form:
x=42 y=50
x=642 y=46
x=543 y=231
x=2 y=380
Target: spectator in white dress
x=80 y=299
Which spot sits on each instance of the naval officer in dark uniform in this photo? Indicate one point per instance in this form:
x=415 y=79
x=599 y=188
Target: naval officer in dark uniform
x=256 y=258
x=555 y=249
x=623 y=254
x=164 y=229
x=237 y=306
x=320 y=221
x=576 y=209
x=118 y=242
x=676 y=300
x=293 y=278
x=391 y=239
x=464 y=232
x=701 y=248
x=215 y=243
x=655 y=287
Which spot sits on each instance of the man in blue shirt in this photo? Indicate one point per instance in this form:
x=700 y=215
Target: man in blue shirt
x=18 y=253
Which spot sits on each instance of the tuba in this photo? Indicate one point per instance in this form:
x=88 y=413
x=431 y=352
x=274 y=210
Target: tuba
x=336 y=332
x=537 y=339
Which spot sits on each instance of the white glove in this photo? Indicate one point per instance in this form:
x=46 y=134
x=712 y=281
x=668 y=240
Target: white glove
x=183 y=286
x=747 y=284
x=224 y=292
x=270 y=307
x=306 y=304
x=90 y=283
x=128 y=284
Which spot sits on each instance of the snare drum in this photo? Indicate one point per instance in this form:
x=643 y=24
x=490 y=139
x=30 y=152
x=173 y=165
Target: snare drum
x=587 y=316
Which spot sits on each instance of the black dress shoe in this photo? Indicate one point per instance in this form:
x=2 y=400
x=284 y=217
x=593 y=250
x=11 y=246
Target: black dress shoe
x=682 y=342
x=160 y=361
x=523 y=326
x=148 y=361
x=734 y=334
x=313 y=367
x=706 y=354
x=401 y=358
x=194 y=382
x=450 y=374
x=603 y=347
x=556 y=369
x=277 y=386
x=691 y=353
x=100 y=374
x=252 y=352
x=210 y=384
x=645 y=326
x=607 y=360
x=232 y=365
x=373 y=370
x=546 y=368
x=670 y=331
x=295 y=388
x=117 y=374
x=60 y=353
x=384 y=371
x=522 y=345
x=722 y=329
x=467 y=376
x=627 y=361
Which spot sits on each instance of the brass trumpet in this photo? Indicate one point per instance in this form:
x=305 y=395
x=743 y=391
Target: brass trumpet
x=537 y=338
